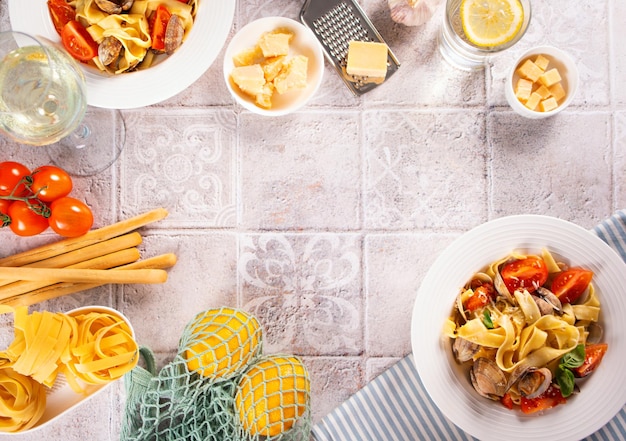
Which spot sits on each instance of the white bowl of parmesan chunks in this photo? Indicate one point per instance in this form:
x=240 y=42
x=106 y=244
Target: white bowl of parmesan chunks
x=273 y=66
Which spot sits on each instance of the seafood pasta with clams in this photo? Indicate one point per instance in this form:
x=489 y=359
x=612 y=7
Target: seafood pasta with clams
x=122 y=35
x=528 y=326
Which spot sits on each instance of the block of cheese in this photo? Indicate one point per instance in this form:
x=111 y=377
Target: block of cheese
x=550 y=77
x=275 y=43
x=367 y=59
x=293 y=75
x=530 y=71
x=250 y=79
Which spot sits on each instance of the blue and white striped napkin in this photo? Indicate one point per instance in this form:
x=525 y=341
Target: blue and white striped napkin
x=396 y=407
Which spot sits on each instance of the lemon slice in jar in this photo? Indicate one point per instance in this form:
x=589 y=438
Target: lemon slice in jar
x=490 y=23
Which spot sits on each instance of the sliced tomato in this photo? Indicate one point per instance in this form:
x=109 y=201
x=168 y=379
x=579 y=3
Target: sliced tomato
x=158 y=25
x=483 y=294
x=61 y=13
x=547 y=400
x=77 y=41
x=569 y=285
x=593 y=356
x=529 y=274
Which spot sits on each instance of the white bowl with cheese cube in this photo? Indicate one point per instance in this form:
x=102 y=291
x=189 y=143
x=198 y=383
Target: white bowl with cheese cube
x=542 y=82
x=273 y=66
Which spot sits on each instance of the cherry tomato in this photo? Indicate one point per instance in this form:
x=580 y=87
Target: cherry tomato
x=158 y=25
x=70 y=217
x=593 y=357
x=50 y=183
x=24 y=221
x=5 y=220
x=483 y=294
x=550 y=398
x=529 y=273
x=77 y=41
x=569 y=285
x=10 y=175
x=61 y=13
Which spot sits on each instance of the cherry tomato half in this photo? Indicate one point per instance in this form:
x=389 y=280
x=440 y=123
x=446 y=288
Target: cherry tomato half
x=158 y=25
x=569 y=285
x=529 y=273
x=10 y=175
x=593 y=357
x=483 y=294
x=70 y=217
x=24 y=221
x=78 y=42
x=547 y=400
x=50 y=183
x=60 y=13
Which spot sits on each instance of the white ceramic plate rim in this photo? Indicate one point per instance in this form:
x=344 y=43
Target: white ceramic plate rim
x=303 y=43
x=155 y=84
x=443 y=379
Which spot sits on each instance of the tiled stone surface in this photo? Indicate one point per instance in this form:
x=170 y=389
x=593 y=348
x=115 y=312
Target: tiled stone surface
x=323 y=223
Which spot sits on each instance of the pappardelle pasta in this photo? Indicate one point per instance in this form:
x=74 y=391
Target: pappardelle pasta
x=528 y=326
x=122 y=35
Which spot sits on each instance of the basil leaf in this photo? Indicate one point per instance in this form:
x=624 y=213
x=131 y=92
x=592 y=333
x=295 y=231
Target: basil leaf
x=574 y=358
x=487 y=319
x=565 y=380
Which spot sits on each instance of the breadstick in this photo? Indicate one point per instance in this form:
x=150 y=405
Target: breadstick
x=61 y=289
x=90 y=238
x=84 y=254
x=107 y=261
x=53 y=275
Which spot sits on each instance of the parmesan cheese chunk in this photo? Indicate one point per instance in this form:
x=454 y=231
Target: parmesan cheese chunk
x=276 y=43
x=293 y=76
x=250 y=79
x=367 y=58
x=530 y=71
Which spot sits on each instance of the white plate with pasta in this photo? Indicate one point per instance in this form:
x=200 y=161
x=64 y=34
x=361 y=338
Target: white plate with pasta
x=166 y=78
x=447 y=381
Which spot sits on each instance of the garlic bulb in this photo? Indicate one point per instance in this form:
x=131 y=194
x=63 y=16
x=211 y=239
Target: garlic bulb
x=412 y=12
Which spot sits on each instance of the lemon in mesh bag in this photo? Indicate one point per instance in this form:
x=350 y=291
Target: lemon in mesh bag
x=272 y=395
x=219 y=343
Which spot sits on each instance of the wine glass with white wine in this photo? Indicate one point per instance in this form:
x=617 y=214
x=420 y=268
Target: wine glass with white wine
x=43 y=103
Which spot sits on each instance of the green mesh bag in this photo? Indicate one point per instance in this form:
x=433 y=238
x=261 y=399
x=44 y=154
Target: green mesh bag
x=194 y=396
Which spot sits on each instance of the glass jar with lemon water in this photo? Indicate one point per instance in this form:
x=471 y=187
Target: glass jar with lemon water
x=476 y=29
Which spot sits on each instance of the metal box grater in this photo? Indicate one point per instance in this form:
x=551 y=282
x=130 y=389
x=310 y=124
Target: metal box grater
x=335 y=23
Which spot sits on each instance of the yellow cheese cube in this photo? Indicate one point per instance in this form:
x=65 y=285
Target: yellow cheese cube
x=272 y=66
x=533 y=101
x=293 y=75
x=542 y=62
x=550 y=77
x=557 y=91
x=250 y=79
x=523 y=89
x=274 y=44
x=367 y=59
x=529 y=70
x=547 y=105
x=544 y=92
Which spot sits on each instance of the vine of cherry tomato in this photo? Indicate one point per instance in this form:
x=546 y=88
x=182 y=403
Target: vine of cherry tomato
x=30 y=202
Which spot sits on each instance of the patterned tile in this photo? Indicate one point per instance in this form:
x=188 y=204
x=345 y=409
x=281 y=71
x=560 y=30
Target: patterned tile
x=182 y=160
x=306 y=291
x=617 y=16
x=425 y=170
x=394 y=267
x=619 y=160
x=204 y=277
x=298 y=174
x=571 y=169
x=572 y=29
